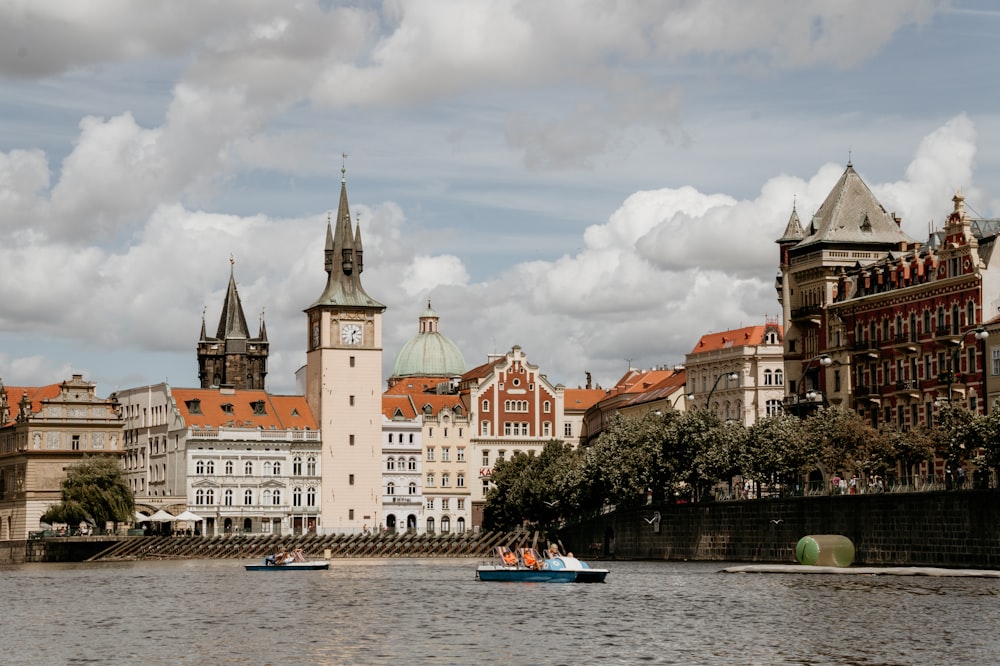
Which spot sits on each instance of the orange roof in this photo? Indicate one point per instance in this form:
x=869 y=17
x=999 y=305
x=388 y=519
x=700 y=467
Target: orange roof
x=581 y=399
x=740 y=337
x=664 y=389
x=36 y=394
x=236 y=409
x=637 y=381
x=411 y=385
x=419 y=391
x=398 y=403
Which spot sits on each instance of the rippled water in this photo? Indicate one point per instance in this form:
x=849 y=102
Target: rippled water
x=434 y=612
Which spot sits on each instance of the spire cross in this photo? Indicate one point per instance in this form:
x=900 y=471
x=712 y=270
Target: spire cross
x=343 y=167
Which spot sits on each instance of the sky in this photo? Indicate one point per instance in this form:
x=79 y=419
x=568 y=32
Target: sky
x=599 y=182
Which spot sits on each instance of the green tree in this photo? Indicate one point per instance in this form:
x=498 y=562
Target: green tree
x=842 y=438
x=957 y=434
x=95 y=491
x=776 y=451
x=627 y=460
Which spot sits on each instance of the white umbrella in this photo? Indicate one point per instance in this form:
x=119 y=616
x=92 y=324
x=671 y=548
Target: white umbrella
x=162 y=516
x=140 y=517
x=189 y=517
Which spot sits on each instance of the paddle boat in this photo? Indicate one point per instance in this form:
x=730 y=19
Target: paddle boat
x=288 y=560
x=527 y=566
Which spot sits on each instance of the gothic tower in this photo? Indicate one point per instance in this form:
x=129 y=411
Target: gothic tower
x=344 y=381
x=232 y=357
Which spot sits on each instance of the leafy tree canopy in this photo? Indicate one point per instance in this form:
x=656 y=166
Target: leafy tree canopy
x=94 y=491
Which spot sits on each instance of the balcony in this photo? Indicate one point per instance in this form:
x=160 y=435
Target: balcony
x=812 y=314
x=908 y=389
x=867 y=394
x=865 y=348
x=906 y=343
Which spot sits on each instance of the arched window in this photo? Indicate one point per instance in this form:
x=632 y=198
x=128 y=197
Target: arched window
x=390 y=464
x=210 y=467
x=209 y=496
x=267 y=468
x=310 y=496
x=199 y=467
x=248 y=468
x=390 y=488
x=227 y=498
x=412 y=490
x=199 y=497
x=779 y=377
x=297 y=497
x=247 y=497
x=768 y=378
x=311 y=466
x=430 y=480
x=461 y=525
x=277 y=469
x=229 y=467
x=445 y=482
x=546 y=406
x=460 y=480
x=266 y=497
x=430 y=525
x=445 y=525
x=411 y=464
x=276 y=497
x=297 y=466
x=486 y=406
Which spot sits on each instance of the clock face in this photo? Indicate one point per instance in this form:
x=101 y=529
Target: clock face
x=350 y=334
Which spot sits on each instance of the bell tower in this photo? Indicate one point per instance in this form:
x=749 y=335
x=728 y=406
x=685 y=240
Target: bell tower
x=344 y=380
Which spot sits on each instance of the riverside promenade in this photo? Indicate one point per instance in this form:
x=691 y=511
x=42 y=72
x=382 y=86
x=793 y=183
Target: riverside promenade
x=251 y=546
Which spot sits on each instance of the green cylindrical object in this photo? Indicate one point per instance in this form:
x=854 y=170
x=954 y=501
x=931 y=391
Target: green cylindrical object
x=825 y=550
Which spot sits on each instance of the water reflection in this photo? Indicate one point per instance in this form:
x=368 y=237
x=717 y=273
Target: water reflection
x=435 y=612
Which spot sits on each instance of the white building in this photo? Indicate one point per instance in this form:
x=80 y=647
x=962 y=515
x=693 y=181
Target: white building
x=245 y=461
x=402 y=450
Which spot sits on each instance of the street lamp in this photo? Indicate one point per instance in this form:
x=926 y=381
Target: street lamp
x=731 y=376
x=821 y=359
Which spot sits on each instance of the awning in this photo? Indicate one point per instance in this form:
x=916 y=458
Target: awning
x=162 y=516
x=187 y=516
x=140 y=517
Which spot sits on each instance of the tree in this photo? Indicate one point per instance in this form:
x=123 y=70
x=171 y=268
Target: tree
x=776 y=450
x=956 y=436
x=94 y=491
x=842 y=438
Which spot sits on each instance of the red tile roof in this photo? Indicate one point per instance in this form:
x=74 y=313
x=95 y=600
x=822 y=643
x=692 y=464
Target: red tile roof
x=740 y=337
x=280 y=412
x=36 y=394
x=391 y=404
x=581 y=399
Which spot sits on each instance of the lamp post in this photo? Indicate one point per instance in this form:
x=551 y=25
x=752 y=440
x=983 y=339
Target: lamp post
x=731 y=376
x=823 y=360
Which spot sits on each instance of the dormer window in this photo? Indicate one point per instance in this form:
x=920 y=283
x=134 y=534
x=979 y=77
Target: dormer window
x=193 y=406
x=227 y=408
x=258 y=408
x=346 y=260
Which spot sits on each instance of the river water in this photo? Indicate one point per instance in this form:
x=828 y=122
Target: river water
x=404 y=611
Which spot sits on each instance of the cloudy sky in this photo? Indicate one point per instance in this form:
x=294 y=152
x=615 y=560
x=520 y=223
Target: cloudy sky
x=600 y=182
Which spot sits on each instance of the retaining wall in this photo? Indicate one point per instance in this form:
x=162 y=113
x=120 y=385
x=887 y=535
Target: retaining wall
x=946 y=529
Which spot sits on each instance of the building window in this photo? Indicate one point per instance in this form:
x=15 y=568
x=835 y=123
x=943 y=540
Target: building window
x=266 y=497
x=411 y=464
x=444 y=503
x=311 y=466
x=350 y=440
x=229 y=467
x=430 y=525
x=460 y=454
x=486 y=406
x=227 y=497
x=297 y=497
x=485 y=427
x=350 y=514
x=350 y=479
x=310 y=496
x=773 y=407
x=486 y=458
x=210 y=467
x=445 y=480
x=430 y=454
x=276 y=498
x=546 y=429
x=350 y=400
x=547 y=407
x=567 y=429
x=500 y=455
x=248 y=468
x=445 y=454
x=258 y=408
x=390 y=464
x=352 y=361
x=247 y=497
x=768 y=378
x=267 y=468
x=461 y=504
x=460 y=480
x=296 y=466
x=412 y=488
x=76 y=442
x=390 y=488
x=430 y=480
x=199 y=467
x=430 y=503
x=199 y=497
x=430 y=432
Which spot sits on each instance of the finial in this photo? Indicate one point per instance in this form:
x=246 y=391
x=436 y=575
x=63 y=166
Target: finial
x=262 y=314
x=794 y=201
x=428 y=303
x=849 y=161
x=343 y=167
x=203 y=309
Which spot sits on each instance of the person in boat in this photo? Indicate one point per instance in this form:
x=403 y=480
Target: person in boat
x=529 y=558
x=509 y=558
x=554 y=551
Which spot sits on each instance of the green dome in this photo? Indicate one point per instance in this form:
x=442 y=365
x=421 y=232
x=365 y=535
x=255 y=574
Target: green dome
x=429 y=354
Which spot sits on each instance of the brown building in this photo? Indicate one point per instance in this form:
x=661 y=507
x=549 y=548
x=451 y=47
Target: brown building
x=44 y=430
x=232 y=357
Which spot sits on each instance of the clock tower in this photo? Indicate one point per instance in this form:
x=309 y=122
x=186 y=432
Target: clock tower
x=344 y=381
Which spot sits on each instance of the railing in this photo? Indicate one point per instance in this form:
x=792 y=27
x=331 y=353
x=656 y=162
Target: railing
x=256 y=435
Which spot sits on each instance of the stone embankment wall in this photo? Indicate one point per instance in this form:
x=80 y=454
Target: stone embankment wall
x=946 y=529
